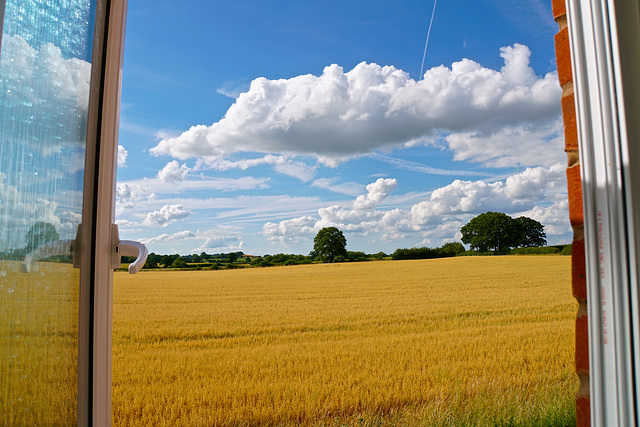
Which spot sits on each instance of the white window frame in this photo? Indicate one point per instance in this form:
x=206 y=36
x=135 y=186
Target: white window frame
x=605 y=51
x=98 y=239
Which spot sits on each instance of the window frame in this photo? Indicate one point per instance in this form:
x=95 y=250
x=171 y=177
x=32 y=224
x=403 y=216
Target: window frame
x=97 y=239
x=605 y=49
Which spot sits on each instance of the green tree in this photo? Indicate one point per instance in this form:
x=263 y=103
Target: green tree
x=330 y=243
x=152 y=261
x=179 y=263
x=499 y=232
x=490 y=231
x=531 y=232
x=39 y=234
x=452 y=249
x=167 y=260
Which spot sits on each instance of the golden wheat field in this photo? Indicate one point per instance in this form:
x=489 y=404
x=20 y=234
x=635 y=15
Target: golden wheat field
x=447 y=342
x=38 y=345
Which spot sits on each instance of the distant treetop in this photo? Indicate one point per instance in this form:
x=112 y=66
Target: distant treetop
x=499 y=232
x=330 y=243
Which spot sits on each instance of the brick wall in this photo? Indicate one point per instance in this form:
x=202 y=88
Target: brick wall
x=578 y=270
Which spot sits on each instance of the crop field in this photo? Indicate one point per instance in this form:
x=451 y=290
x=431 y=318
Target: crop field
x=38 y=345
x=448 y=342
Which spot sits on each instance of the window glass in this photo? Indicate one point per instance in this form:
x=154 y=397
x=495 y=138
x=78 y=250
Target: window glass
x=44 y=93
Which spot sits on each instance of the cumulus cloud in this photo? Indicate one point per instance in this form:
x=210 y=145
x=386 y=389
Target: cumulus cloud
x=123 y=191
x=122 y=156
x=173 y=172
x=221 y=239
x=377 y=192
x=554 y=217
x=168 y=214
x=220 y=243
x=291 y=230
x=127 y=197
x=524 y=144
x=442 y=212
x=19 y=210
x=517 y=193
x=339 y=115
x=36 y=86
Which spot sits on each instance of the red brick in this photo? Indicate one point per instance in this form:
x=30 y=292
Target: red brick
x=574 y=187
x=563 y=57
x=569 y=121
x=578 y=270
x=559 y=8
x=583 y=412
x=582 y=345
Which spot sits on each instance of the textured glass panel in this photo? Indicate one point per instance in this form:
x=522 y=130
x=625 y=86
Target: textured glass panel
x=44 y=90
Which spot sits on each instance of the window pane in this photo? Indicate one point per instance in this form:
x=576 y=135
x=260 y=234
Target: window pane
x=44 y=91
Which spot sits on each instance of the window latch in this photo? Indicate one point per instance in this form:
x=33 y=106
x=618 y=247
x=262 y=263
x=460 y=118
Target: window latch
x=127 y=248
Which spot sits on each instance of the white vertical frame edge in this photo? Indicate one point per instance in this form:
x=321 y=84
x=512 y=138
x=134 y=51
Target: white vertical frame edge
x=626 y=58
x=105 y=213
x=604 y=81
x=95 y=240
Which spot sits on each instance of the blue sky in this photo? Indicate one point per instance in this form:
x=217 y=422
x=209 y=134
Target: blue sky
x=250 y=125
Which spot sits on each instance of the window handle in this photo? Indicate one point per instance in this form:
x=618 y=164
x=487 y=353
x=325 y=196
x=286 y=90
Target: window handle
x=136 y=249
x=122 y=248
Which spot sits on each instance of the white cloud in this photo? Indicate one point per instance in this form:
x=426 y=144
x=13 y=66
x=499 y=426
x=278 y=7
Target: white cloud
x=421 y=168
x=233 y=88
x=517 y=193
x=239 y=209
x=44 y=94
x=299 y=170
x=333 y=184
x=446 y=231
x=162 y=238
x=203 y=183
x=377 y=192
x=290 y=230
x=439 y=216
x=281 y=164
x=535 y=180
x=526 y=144
x=220 y=243
x=20 y=210
x=338 y=115
x=36 y=86
x=123 y=191
x=131 y=193
x=122 y=156
x=166 y=215
x=554 y=218
x=221 y=239
x=173 y=172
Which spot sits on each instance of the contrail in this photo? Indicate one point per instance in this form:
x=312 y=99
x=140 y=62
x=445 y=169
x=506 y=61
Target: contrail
x=424 y=55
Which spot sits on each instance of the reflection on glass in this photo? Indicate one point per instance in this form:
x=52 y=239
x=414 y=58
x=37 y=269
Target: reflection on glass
x=44 y=90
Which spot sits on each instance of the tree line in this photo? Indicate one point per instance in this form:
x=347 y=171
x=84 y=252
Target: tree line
x=487 y=234
x=239 y=260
